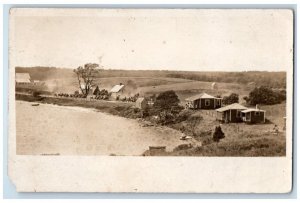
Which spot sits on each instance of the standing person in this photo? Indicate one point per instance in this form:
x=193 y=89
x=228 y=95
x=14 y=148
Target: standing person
x=276 y=129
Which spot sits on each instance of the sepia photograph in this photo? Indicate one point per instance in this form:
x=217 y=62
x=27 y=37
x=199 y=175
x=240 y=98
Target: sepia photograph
x=152 y=86
x=151 y=83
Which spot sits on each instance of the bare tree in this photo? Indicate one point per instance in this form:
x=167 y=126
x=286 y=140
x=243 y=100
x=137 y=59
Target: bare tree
x=86 y=76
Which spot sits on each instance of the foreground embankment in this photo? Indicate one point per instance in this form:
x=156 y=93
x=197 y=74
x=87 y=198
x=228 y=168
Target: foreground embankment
x=60 y=130
x=122 y=137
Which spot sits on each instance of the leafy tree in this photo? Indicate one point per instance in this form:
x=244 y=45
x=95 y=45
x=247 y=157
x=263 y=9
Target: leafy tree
x=218 y=134
x=265 y=95
x=86 y=76
x=232 y=98
x=166 y=101
x=166 y=106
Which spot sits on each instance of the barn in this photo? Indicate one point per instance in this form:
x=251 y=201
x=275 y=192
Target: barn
x=203 y=101
x=141 y=103
x=23 y=78
x=231 y=113
x=117 y=90
x=254 y=115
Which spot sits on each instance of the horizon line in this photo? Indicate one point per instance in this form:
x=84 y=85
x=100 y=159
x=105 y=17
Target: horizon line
x=118 y=69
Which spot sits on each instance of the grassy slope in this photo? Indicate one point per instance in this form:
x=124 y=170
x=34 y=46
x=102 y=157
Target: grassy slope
x=190 y=88
x=70 y=85
x=240 y=140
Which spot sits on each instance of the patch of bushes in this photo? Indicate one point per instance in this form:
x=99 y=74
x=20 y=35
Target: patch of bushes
x=232 y=98
x=265 y=95
x=36 y=94
x=218 y=134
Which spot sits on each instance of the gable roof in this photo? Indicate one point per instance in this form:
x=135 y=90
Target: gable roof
x=23 y=77
x=232 y=106
x=117 y=88
x=201 y=96
x=256 y=110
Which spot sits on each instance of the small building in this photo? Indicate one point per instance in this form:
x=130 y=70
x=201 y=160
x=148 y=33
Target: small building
x=23 y=78
x=141 y=103
x=231 y=113
x=117 y=91
x=214 y=86
x=203 y=101
x=251 y=84
x=254 y=115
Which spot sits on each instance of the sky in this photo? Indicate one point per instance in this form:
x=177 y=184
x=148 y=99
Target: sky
x=194 y=40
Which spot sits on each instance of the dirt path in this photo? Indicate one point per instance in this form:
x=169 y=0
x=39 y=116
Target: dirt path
x=51 y=129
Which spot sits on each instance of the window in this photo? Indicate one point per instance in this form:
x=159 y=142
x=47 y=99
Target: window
x=257 y=113
x=207 y=102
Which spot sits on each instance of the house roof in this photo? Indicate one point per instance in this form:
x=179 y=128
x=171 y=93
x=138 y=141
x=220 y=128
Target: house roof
x=231 y=106
x=117 y=88
x=23 y=77
x=201 y=96
x=251 y=110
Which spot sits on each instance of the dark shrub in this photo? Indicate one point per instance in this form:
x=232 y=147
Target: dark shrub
x=232 y=98
x=96 y=91
x=166 y=101
x=218 y=134
x=183 y=115
x=265 y=95
x=36 y=93
x=182 y=147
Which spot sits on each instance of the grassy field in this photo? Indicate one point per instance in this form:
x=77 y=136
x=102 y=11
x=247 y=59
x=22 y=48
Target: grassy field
x=272 y=79
x=187 y=89
x=146 y=86
x=138 y=84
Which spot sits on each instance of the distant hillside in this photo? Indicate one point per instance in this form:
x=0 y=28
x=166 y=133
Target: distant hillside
x=273 y=79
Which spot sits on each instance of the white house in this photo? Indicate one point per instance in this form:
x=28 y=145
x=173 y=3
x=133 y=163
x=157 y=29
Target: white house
x=117 y=90
x=23 y=78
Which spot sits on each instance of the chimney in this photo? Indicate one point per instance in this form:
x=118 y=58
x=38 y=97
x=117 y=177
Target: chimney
x=257 y=107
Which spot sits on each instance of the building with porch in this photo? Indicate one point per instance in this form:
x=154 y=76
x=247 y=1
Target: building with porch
x=203 y=101
x=231 y=113
x=254 y=115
